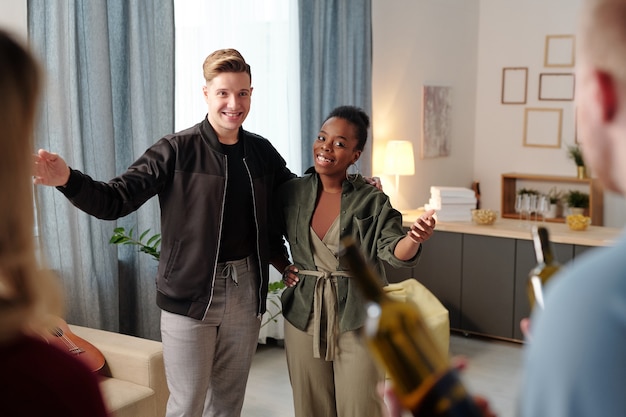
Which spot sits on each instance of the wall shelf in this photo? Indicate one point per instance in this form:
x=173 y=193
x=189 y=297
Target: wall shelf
x=510 y=186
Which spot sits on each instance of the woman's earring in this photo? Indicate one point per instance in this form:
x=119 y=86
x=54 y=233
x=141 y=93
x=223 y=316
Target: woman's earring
x=351 y=176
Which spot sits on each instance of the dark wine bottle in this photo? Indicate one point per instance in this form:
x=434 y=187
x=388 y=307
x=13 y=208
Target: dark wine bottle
x=396 y=333
x=547 y=265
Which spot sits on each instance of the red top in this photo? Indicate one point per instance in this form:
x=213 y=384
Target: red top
x=37 y=379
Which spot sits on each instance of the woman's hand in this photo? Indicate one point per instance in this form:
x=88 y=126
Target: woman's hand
x=423 y=227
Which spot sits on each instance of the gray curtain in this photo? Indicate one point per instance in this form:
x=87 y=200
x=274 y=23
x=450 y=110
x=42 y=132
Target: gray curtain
x=335 y=65
x=109 y=96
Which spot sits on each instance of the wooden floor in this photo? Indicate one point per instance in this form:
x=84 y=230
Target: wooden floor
x=493 y=371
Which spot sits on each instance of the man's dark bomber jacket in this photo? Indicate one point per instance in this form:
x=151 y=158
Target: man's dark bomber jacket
x=188 y=172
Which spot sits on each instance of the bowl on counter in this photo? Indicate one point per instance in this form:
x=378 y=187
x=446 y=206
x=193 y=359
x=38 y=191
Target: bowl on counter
x=578 y=222
x=484 y=217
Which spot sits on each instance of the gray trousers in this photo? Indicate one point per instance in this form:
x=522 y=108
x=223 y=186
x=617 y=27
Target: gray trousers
x=207 y=362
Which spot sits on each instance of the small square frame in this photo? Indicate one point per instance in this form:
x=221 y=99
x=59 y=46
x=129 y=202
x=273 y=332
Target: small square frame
x=514 y=85
x=560 y=51
x=557 y=86
x=542 y=127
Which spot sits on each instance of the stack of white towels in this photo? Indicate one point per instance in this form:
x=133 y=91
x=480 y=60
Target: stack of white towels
x=452 y=204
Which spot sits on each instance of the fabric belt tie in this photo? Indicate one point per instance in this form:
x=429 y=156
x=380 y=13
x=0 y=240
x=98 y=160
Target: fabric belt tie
x=325 y=299
x=229 y=269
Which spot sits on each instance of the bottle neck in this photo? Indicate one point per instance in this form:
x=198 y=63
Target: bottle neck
x=543 y=247
x=360 y=270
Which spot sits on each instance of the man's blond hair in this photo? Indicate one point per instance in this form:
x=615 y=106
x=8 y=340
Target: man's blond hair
x=224 y=60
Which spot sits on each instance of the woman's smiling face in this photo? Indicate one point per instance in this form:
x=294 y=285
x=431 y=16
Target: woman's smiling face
x=334 y=150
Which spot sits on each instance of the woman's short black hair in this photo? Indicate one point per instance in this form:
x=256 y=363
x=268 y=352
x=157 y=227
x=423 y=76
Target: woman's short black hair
x=355 y=116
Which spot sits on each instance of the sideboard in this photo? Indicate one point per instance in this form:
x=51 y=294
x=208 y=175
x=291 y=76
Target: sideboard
x=479 y=272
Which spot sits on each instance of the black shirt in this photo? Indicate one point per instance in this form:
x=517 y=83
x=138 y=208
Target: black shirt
x=238 y=233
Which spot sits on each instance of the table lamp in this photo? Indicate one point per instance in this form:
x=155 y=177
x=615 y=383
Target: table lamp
x=399 y=160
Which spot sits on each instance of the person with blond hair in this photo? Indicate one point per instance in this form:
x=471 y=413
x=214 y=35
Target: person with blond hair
x=215 y=182
x=36 y=378
x=575 y=363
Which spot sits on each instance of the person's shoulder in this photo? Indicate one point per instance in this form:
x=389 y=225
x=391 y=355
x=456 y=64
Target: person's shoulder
x=190 y=134
x=365 y=189
x=296 y=183
x=594 y=280
x=598 y=267
x=256 y=139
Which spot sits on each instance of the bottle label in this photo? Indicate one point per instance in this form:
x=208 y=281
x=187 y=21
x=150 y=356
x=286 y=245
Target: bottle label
x=537 y=290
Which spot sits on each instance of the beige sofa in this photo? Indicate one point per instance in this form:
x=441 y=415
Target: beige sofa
x=435 y=314
x=133 y=378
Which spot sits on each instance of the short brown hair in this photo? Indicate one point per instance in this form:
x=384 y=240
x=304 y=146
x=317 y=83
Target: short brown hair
x=603 y=40
x=224 y=60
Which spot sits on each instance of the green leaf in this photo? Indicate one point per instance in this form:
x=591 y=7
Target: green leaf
x=153 y=238
x=144 y=235
x=151 y=247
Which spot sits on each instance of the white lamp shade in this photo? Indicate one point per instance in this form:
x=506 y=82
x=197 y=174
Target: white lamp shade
x=399 y=158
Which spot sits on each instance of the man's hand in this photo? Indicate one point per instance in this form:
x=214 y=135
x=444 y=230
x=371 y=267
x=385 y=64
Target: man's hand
x=49 y=169
x=375 y=181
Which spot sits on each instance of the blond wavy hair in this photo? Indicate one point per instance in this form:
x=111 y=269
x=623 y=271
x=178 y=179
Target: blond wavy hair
x=224 y=60
x=29 y=295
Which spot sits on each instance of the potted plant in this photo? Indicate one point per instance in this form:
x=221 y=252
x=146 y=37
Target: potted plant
x=577 y=201
x=554 y=198
x=575 y=153
x=529 y=191
x=150 y=246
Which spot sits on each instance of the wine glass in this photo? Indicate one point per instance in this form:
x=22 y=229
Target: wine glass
x=526 y=209
x=532 y=206
x=518 y=206
x=543 y=206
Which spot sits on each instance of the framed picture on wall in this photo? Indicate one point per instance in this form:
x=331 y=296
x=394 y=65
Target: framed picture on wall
x=560 y=51
x=514 y=85
x=556 y=86
x=436 y=128
x=542 y=127
x=576 y=136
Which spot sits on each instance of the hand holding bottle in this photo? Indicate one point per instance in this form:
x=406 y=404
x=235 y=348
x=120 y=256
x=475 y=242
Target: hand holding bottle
x=423 y=380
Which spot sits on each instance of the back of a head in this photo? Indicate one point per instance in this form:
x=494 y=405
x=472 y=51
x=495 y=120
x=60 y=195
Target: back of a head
x=356 y=117
x=224 y=60
x=602 y=36
x=24 y=289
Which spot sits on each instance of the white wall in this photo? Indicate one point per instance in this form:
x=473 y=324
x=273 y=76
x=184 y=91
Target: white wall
x=416 y=43
x=466 y=44
x=13 y=17
x=463 y=44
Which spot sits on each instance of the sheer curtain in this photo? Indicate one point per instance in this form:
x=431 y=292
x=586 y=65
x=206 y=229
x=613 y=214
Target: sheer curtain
x=266 y=34
x=336 y=65
x=109 y=95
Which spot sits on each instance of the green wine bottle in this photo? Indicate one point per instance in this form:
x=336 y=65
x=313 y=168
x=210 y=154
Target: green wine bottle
x=396 y=333
x=546 y=267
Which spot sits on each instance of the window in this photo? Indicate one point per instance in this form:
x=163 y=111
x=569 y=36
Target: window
x=266 y=34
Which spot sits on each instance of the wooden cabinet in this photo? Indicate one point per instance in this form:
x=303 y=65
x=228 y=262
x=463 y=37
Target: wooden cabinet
x=440 y=270
x=480 y=279
x=510 y=184
x=487 y=296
